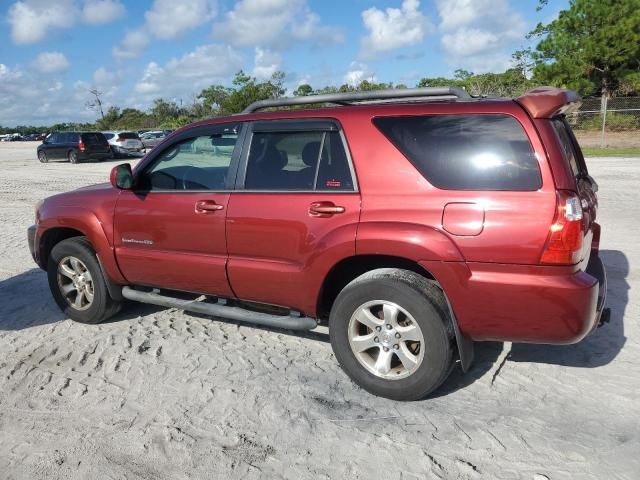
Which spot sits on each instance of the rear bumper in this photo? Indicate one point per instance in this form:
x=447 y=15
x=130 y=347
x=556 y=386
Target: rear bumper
x=127 y=151
x=525 y=303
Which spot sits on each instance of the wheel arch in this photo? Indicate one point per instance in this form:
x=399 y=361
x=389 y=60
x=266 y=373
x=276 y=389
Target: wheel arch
x=348 y=269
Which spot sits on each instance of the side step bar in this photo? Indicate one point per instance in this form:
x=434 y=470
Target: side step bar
x=288 y=322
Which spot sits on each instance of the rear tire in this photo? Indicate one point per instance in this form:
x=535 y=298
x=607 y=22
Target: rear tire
x=73 y=156
x=391 y=332
x=42 y=157
x=77 y=282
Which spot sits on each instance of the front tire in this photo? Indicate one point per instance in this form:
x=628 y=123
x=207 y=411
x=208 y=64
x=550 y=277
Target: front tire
x=77 y=282
x=391 y=333
x=42 y=157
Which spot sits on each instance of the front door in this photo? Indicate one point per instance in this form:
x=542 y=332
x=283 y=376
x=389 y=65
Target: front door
x=294 y=213
x=170 y=230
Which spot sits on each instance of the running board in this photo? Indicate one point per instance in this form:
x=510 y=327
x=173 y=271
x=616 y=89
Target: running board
x=288 y=322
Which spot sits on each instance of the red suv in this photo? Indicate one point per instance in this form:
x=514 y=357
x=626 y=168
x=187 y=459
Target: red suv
x=412 y=222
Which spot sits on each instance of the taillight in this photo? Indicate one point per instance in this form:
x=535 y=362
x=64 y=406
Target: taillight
x=564 y=243
x=81 y=146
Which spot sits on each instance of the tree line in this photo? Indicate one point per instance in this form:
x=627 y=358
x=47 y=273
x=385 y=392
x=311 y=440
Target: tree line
x=592 y=47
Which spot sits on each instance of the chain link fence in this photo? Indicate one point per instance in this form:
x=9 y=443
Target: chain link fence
x=607 y=122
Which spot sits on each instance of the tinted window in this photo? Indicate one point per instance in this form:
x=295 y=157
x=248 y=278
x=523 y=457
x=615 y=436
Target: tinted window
x=197 y=163
x=94 y=138
x=129 y=135
x=53 y=138
x=568 y=148
x=466 y=152
x=289 y=161
x=108 y=136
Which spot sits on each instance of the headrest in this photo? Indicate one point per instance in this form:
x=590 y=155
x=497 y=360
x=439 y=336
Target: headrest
x=310 y=153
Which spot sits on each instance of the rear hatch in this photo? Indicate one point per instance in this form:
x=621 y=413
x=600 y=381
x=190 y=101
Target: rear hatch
x=95 y=142
x=129 y=140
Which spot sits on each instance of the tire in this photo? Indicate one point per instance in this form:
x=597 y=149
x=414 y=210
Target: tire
x=422 y=334
x=42 y=156
x=73 y=156
x=101 y=306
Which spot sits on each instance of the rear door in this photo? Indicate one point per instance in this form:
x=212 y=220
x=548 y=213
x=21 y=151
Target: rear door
x=294 y=212
x=95 y=143
x=52 y=147
x=170 y=230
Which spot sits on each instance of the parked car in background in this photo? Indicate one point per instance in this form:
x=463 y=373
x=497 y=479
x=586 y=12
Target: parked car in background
x=12 y=137
x=151 y=139
x=124 y=143
x=75 y=147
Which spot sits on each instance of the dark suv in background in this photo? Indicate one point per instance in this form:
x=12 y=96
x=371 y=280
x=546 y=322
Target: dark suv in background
x=75 y=147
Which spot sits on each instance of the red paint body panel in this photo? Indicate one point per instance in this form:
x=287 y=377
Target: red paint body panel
x=484 y=248
x=279 y=253
x=88 y=210
x=463 y=219
x=188 y=250
x=519 y=303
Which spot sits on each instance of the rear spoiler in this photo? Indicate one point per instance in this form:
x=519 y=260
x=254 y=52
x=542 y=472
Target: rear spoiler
x=547 y=102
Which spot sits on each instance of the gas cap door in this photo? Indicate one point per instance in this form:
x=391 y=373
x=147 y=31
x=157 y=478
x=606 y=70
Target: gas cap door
x=463 y=219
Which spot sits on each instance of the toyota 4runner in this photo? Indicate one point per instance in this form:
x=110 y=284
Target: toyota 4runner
x=411 y=222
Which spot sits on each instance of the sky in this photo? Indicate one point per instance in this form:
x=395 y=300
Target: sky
x=52 y=52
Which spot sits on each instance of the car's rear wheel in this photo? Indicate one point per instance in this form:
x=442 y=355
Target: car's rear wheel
x=391 y=332
x=73 y=156
x=77 y=282
x=42 y=157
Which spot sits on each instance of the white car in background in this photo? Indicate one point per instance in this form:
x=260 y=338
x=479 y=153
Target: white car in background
x=124 y=143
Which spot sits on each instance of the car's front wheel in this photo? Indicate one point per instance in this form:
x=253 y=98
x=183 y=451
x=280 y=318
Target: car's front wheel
x=77 y=282
x=391 y=332
x=42 y=157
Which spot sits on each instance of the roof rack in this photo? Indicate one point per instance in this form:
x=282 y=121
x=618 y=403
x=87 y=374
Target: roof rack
x=353 y=97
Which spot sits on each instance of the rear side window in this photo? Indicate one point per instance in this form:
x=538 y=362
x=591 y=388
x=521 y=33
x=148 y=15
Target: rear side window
x=108 y=136
x=129 y=135
x=300 y=160
x=94 y=138
x=466 y=152
x=568 y=148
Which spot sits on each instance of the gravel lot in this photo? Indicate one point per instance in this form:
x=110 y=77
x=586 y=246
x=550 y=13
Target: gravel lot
x=163 y=394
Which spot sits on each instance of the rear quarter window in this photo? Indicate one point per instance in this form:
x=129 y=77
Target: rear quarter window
x=129 y=135
x=94 y=138
x=466 y=152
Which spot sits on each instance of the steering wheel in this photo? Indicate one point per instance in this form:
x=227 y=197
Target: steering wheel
x=194 y=173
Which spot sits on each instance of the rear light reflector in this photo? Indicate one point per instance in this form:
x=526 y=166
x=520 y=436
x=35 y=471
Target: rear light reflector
x=564 y=243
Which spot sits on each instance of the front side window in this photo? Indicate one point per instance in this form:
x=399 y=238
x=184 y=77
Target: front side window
x=196 y=163
x=466 y=152
x=300 y=160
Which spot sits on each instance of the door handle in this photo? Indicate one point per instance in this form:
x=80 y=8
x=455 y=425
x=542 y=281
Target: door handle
x=323 y=209
x=205 y=206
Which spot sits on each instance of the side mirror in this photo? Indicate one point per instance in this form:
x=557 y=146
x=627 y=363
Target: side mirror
x=121 y=176
x=45 y=141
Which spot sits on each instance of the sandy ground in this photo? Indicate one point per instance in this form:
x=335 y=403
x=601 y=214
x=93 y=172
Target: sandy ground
x=161 y=394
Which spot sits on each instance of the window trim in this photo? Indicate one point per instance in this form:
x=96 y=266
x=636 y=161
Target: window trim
x=203 y=130
x=461 y=114
x=297 y=125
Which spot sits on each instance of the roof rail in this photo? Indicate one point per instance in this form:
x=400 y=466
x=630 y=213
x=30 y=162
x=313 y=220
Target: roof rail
x=349 y=97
